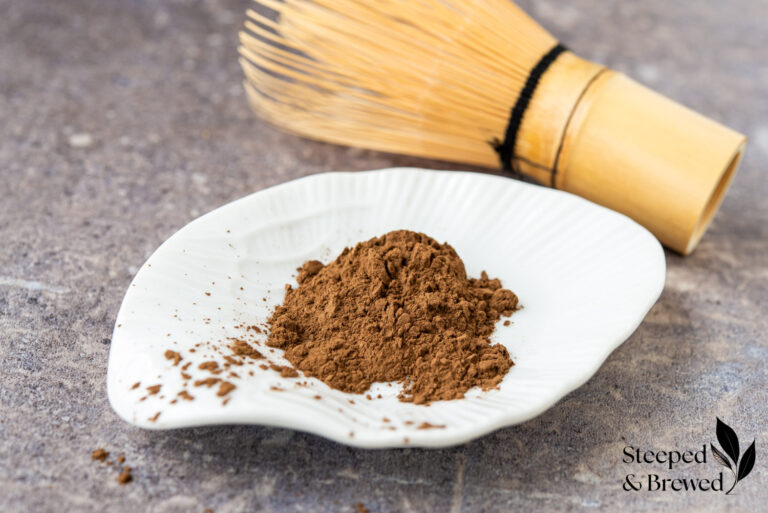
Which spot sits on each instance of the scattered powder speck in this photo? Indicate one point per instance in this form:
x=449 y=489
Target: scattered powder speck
x=284 y=370
x=224 y=388
x=186 y=396
x=208 y=382
x=210 y=366
x=244 y=349
x=173 y=355
x=427 y=425
x=232 y=361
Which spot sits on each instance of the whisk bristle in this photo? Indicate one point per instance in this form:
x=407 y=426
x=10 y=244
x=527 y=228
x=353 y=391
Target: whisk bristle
x=480 y=82
x=432 y=78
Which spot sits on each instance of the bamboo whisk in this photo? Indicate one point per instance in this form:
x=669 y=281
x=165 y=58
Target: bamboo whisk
x=470 y=81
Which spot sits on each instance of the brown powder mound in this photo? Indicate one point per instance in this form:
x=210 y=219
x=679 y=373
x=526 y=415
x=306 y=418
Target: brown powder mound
x=395 y=308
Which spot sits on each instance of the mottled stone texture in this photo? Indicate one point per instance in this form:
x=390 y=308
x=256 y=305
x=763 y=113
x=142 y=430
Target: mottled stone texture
x=120 y=121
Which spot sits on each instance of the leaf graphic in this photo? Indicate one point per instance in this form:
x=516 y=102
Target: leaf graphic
x=728 y=440
x=721 y=458
x=747 y=461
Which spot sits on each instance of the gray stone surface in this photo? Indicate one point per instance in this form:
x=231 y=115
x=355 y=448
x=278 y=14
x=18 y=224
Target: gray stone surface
x=120 y=121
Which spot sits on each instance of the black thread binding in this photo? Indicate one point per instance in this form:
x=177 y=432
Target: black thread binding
x=506 y=149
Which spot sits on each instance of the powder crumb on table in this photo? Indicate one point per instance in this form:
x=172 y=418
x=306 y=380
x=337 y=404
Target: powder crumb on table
x=99 y=454
x=125 y=476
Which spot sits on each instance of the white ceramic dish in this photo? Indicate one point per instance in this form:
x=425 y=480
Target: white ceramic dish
x=585 y=275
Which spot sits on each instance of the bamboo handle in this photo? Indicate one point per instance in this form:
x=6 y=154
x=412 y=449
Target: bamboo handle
x=599 y=134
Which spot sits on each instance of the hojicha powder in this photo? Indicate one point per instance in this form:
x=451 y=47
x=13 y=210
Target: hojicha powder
x=396 y=308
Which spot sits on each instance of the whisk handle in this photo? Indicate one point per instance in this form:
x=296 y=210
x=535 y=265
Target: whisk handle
x=638 y=152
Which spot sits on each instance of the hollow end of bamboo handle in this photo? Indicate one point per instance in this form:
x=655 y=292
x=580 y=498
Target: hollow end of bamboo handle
x=635 y=151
